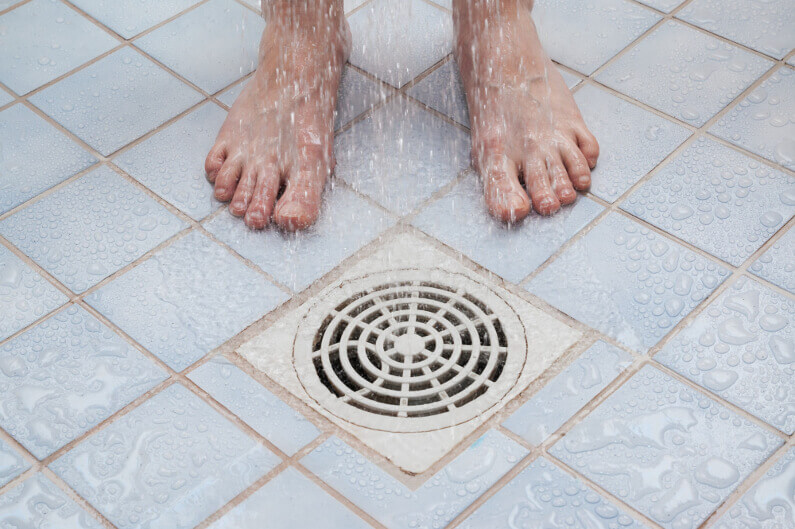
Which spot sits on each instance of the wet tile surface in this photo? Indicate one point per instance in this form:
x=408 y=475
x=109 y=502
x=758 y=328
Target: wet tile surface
x=115 y=100
x=443 y=90
x=357 y=94
x=11 y=463
x=683 y=72
x=211 y=46
x=545 y=496
x=632 y=284
x=568 y=392
x=743 y=337
x=35 y=156
x=171 y=162
x=169 y=303
x=5 y=97
x=290 y=501
x=167 y=464
x=436 y=502
x=90 y=228
x=572 y=32
x=128 y=18
x=716 y=199
x=663 y=5
x=258 y=407
x=38 y=502
x=632 y=140
x=44 y=39
x=777 y=264
x=665 y=449
x=460 y=219
x=65 y=376
x=25 y=296
x=762 y=122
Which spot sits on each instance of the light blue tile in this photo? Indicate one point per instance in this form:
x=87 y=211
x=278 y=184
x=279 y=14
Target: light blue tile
x=255 y=4
x=574 y=33
x=34 y=156
x=186 y=300
x=357 y=94
x=11 y=463
x=5 y=97
x=229 y=96
x=762 y=121
x=436 y=502
x=116 y=100
x=544 y=496
x=668 y=451
x=171 y=162
x=130 y=17
x=168 y=464
x=769 y=504
x=346 y=224
x=777 y=264
x=5 y=4
x=211 y=46
x=65 y=376
x=632 y=141
x=567 y=393
x=350 y=5
x=248 y=399
x=38 y=503
x=717 y=199
x=290 y=501
x=25 y=296
x=742 y=347
x=90 y=228
x=397 y=41
x=655 y=72
x=443 y=90
x=400 y=155
x=630 y=283
x=663 y=5
x=44 y=39
x=460 y=219
x=570 y=79
x=767 y=26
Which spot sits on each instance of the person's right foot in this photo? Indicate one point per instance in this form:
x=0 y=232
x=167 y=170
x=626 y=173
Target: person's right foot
x=280 y=129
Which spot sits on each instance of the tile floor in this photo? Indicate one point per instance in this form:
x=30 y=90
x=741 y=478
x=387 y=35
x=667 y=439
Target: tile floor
x=124 y=286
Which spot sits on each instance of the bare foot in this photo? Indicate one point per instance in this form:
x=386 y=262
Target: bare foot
x=280 y=129
x=524 y=119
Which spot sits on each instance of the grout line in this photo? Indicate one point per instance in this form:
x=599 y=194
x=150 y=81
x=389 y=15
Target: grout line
x=77 y=498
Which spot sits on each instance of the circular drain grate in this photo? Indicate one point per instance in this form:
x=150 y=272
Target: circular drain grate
x=409 y=350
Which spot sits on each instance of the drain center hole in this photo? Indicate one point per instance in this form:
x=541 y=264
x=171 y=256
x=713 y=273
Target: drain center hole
x=409 y=345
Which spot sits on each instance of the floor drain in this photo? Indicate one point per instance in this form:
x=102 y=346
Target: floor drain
x=410 y=350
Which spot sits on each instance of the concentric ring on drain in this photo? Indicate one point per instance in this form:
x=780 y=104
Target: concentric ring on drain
x=409 y=350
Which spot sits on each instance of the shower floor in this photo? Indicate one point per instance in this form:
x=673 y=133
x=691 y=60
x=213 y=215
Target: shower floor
x=161 y=366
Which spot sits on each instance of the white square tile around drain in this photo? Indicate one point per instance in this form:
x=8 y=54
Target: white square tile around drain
x=433 y=351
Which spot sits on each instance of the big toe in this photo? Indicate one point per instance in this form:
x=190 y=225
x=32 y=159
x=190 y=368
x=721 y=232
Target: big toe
x=299 y=206
x=294 y=215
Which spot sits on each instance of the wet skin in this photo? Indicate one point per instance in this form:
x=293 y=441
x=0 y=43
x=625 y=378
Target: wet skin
x=529 y=142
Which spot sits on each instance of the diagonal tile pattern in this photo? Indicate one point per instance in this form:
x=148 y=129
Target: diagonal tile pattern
x=11 y=463
x=38 y=502
x=128 y=18
x=777 y=264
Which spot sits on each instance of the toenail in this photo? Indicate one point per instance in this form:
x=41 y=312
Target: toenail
x=290 y=210
x=517 y=203
x=220 y=191
x=547 y=203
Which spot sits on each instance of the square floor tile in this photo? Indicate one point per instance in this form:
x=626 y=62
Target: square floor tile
x=574 y=32
x=168 y=464
x=65 y=376
x=397 y=41
x=667 y=450
x=443 y=90
x=11 y=463
x=346 y=223
x=769 y=503
x=25 y=296
x=170 y=302
x=116 y=100
x=460 y=219
x=290 y=501
x=5 y=97
x=767 y=26
x=357 y=94
x=684 y=73
x=400 y=155
x=568 y=392
x=171 y=162
x=632 y=141
x=762 y=122
x=777 y=264
x=259 y=408
x=34 y=156
x=128 y=18
x=90 y=228
x=436 y=502
x=44 y=39
x=544 y=496
x=663 y=5
x=632 y=284
x=717 y=199
x=742 y=347
x=38 y=502
x=211 y=46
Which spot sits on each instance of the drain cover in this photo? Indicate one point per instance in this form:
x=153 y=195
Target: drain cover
x=409 y=350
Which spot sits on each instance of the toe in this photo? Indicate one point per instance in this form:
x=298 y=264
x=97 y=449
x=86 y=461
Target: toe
x=559 y=178
x=505 y=198
x=244 y=191
x=576 y=166
x=536 y=179
x=299 y=206
x=214 y=161
x=226 y=181
x=260 y=208
x=588 y=146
